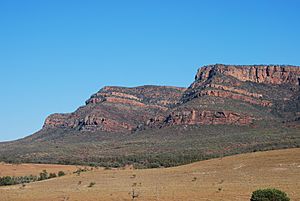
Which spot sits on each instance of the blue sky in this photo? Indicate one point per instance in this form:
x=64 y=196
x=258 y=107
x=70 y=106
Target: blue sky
x=55 y=53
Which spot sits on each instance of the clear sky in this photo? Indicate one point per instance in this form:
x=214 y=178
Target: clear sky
x=55 y=53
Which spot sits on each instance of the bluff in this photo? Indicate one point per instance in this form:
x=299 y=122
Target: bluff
x=231 y=94
x=228 y=109
x=220 y=94
x=266 y=74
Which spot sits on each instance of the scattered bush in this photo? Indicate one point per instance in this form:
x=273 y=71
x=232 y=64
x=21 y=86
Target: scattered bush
x=52 y=175
x=61 y=173
x=269 y=195
x=91 y=184
x=79 y=170
x=43 y=175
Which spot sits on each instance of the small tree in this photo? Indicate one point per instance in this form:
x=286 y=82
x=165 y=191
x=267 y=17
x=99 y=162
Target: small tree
x=269 y=194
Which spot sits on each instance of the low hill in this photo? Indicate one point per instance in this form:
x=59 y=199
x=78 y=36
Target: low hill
x=229 y=178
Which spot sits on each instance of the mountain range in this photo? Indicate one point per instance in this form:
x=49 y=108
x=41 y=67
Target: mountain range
x=228 y=109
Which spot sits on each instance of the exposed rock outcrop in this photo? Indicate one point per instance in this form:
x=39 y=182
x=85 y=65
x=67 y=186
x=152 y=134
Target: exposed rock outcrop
x=235 y=96
x=220 y=94
x=161 y=96
x=230 y=81
x=200 y=117
x=96 y=122
x=59 y=120
x=267 y=74
x=118 y=109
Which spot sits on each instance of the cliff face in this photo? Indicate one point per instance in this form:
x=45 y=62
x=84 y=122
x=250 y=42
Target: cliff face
x=242 y=82
x=267 y=74
x=250 y=84
x=227 y=94
x=220 y=94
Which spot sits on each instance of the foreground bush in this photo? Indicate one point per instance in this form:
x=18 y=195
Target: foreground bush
x=269 y=195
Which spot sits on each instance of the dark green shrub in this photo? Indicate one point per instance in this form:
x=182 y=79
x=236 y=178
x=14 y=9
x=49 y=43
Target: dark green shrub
x=52 y=175
x=5 y=181
x=61 y=173
x=270 y=194
x=43 y=175
x=153 y=165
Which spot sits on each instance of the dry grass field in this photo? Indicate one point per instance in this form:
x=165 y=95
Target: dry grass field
x=32 y=169
x=229 y=178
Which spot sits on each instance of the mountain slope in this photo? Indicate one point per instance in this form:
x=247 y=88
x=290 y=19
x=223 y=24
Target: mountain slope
x=226 y=110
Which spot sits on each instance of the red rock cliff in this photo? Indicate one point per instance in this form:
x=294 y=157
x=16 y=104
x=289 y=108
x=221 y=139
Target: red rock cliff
x=268 y=74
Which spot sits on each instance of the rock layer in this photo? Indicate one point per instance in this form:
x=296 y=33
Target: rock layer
x=118 y=109
x=200 y=117
x=267 y=74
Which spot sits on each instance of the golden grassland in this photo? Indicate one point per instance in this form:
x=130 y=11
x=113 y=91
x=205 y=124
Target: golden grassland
x=229 y=178
x=33 y=169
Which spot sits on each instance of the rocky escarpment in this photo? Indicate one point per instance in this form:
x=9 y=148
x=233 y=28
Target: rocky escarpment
x=220 y=94
x=235 y=82
x=267 y=74
x=118 y=109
